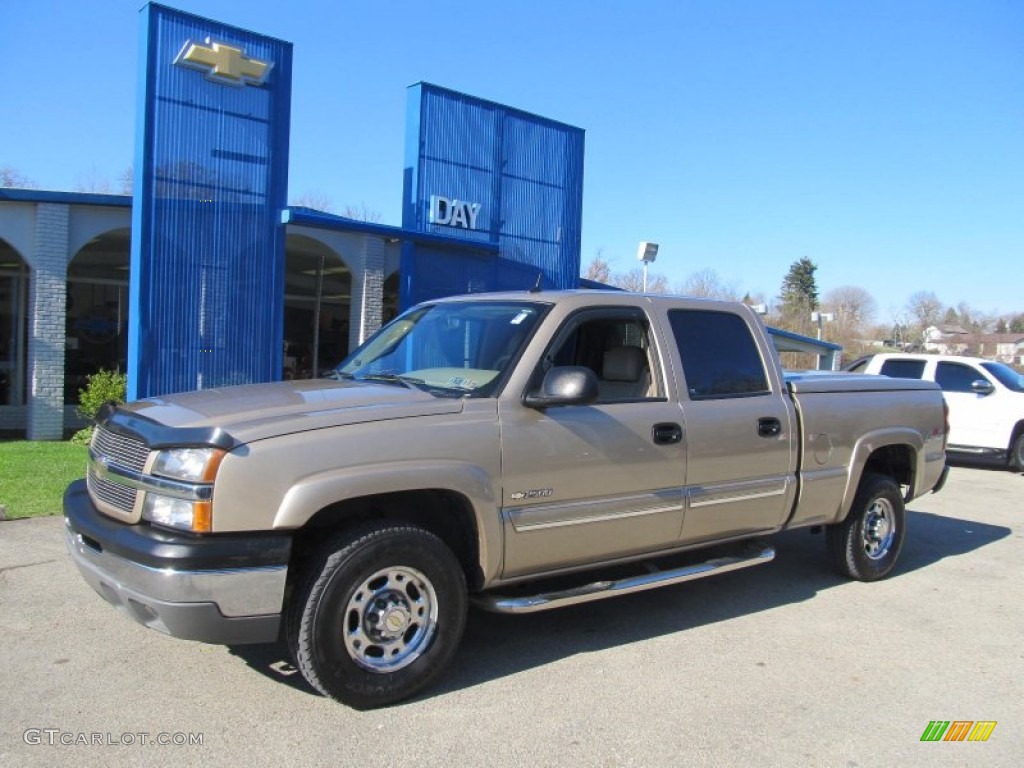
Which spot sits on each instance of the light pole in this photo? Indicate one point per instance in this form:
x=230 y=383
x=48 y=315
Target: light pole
x=647 y=253
x=821 y=318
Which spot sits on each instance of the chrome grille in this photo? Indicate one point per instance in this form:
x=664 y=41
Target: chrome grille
x=123 y=451
x=120 y=497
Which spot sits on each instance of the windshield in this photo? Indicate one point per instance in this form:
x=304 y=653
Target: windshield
x=1008 y=377
x=450 y=349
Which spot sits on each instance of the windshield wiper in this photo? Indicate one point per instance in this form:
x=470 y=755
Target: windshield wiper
x=393 y=378
x=337 y=375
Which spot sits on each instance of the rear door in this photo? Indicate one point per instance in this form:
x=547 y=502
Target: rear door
x=739 y=427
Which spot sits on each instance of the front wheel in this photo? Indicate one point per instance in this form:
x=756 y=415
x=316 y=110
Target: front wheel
x=1017 y=453
x=867 y=544
x=378 y=615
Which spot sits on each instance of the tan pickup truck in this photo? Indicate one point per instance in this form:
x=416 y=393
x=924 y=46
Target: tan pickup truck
x=518 y=451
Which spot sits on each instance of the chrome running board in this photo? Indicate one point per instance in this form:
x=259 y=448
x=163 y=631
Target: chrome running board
x=599 y=590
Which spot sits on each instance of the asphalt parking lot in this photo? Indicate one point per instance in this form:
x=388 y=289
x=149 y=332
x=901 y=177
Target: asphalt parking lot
x=784 y=664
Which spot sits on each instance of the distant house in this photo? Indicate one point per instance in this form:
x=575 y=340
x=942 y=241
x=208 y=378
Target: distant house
x=946 y=339
x=954 y=340
x=1005 y=347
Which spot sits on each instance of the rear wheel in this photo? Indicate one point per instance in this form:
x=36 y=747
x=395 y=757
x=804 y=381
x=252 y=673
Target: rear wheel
x=867 y=544
x=378 y=615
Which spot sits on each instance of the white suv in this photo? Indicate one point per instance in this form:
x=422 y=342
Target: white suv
x=985 y=398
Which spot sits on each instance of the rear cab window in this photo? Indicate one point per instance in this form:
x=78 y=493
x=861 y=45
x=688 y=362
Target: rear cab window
x=719 y=355
x=903 y=369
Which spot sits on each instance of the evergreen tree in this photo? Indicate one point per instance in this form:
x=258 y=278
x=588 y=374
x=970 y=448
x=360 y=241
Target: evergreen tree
x=799 y=292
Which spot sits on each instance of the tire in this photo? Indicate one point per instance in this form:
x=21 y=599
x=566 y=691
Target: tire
x=867 y=544
x=1017 y=454
x=377 y=615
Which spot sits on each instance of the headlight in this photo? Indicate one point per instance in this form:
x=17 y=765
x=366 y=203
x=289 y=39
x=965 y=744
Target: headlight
x=194 y=465
x=185 y=504
x=178 y=513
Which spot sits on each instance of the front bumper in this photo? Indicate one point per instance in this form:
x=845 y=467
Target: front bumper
x=226 y=589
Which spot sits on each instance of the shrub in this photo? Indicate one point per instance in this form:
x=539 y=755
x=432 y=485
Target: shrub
x=101 y=388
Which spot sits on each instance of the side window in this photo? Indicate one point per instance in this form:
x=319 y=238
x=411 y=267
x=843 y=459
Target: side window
x=954 y=377
x=720 y=357
x=616 y=347
x=903 y=369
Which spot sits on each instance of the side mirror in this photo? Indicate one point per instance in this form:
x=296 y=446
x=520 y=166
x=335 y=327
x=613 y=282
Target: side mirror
x=982 y=387
x=564 y=385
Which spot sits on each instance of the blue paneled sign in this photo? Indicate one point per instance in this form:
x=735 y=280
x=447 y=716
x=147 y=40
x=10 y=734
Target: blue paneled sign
x=207 y=263
x=484 y=172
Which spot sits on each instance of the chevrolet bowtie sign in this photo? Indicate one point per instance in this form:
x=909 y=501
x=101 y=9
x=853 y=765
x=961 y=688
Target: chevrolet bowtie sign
x=223 y=63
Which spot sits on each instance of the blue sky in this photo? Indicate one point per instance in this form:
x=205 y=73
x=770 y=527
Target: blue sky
x=883 y=139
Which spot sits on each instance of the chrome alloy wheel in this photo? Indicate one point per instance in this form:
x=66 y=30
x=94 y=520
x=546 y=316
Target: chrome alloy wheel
x=879 y=529
x=390 y=619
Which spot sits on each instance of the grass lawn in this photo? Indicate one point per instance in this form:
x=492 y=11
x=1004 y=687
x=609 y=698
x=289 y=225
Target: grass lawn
x=33 y=476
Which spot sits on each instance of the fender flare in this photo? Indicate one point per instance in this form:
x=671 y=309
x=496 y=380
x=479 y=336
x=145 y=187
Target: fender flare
x=315 y=492
x=866 y=446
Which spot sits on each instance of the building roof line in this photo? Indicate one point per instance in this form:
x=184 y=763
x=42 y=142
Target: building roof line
x=320 y=220
x=67 y=198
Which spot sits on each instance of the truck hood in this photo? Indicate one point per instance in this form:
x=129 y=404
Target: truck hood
x=257 y=411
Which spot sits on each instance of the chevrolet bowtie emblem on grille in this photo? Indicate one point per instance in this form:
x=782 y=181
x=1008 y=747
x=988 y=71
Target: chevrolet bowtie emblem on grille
x=224 y=63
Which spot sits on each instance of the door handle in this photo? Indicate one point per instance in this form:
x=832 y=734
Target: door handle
x=768 y=426
x=668 y=433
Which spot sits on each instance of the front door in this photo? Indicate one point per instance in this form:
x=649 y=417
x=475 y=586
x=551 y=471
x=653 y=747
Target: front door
x=971 y=421
x=600 y=481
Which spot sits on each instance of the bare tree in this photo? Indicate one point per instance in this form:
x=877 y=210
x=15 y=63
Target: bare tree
x=317 y=201
x=854 y=308
x=361 y=213
x=629 y=281
x=974 y=320
x=633 y=280
x=126 y=182
x=657 y=283
x=925 y=309
x=12 y=178
x=707 y=284
x=93 y=182
x=598 y=270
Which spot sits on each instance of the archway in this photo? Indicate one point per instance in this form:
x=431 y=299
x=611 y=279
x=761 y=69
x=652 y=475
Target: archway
x=13 y=325
x=317 y=298
x=391 y=290
x=97 y=310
